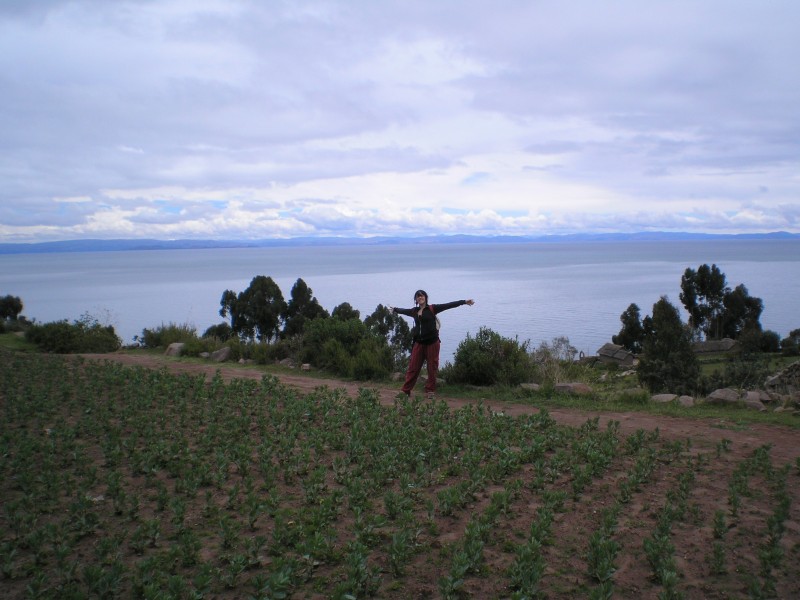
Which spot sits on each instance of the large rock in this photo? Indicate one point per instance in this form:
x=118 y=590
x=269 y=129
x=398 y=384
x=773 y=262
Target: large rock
x=577 y=389
x=664 y=398
x=222 y=354
x=723 y=396
x=175 y=349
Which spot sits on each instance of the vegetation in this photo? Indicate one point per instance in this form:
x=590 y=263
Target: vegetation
x=83 y=335
x=121 y=482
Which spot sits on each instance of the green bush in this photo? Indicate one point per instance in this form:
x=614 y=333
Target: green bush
x=163 y=336
x=83 y=335
x=489 y=359
x=346 y=347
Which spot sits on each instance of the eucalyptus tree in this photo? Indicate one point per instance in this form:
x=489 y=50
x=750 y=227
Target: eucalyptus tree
x=302 y=307
x=255 y=312
x=703 y=294
x=668 y=362
x=632 y=332
x=10 y=307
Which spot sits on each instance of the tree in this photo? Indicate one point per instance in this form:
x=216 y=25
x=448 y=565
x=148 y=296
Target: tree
x=255 y=312
x=702 y=294
x=345 y=312
x=10 y=307
x=302 y=307
x=667 y=362
x=393 y=328
x=631 y=335
x=742 y=312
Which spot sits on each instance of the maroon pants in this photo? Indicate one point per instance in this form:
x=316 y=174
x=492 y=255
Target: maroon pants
x=421 y=353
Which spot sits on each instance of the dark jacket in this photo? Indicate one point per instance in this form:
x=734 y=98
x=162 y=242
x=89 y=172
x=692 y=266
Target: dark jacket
x=425 y=331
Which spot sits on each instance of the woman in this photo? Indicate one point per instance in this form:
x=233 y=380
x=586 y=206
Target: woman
x=426 y=339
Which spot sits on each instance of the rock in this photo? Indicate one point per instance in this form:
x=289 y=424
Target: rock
x=222 y=354
x=664 y=398
x=723 y=396
x=754 y=405
x=175 y=349
x=305 y=367
x=286 y=362
x=205 y=355
x=686 y=401
x=577 y=389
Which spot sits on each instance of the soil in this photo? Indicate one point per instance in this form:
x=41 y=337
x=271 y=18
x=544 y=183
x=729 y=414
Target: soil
x=633 y=576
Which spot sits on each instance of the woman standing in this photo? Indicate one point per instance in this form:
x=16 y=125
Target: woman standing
x=426 y=339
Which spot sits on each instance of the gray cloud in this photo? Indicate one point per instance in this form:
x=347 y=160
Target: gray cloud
x=512 y=117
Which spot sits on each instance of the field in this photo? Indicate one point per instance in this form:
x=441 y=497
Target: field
x=173 y=480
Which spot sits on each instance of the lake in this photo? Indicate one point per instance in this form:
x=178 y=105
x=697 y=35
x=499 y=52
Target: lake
x=532 y=291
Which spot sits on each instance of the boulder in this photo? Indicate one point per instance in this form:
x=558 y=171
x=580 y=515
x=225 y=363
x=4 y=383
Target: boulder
x=305 y=367
x=577 y=389
x=723 y=396
x=222 y=354
x=175 y=349
x=664 y=398
x=533 y=387
x=686 y=401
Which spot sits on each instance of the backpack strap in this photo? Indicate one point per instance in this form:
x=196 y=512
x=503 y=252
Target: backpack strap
x=438 y=323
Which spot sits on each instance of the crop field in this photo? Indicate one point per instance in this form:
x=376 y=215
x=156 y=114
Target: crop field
x=128 y=482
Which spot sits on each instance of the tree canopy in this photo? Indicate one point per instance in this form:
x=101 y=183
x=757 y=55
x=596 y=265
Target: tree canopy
x=255 y=312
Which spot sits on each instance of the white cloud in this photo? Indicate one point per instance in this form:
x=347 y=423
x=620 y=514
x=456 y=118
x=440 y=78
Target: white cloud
x=221 y=119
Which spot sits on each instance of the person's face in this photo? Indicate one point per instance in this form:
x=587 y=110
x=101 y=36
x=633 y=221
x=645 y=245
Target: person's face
x=419 y=299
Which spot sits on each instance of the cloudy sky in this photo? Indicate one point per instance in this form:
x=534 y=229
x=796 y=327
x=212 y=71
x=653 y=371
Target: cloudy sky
x=237 y=119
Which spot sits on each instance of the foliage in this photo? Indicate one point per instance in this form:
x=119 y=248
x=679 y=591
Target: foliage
x=302 y=307
x=347 y=348
x=255 y=312
x=631 y=334
x=790 y=346
x=166 y=334
x=489 y=359
x=393 y=328
x=554 y=360
x=10 y=307
x=345 y=312
x=220 y=331
x=714 y=308
x=668 y=362
x=83 y=335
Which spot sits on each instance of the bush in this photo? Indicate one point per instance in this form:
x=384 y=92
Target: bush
x=346 y=347
x=163 y=336
x=489 y=359
x=221 y=331
x=84 y=335
x=555 y=361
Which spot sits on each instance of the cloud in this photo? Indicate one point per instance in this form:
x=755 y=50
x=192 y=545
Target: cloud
x=217 y=119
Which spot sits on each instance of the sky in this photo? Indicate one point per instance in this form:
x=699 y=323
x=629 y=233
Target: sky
x=237 y=119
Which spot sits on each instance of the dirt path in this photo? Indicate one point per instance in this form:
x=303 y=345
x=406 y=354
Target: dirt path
x=705 y=432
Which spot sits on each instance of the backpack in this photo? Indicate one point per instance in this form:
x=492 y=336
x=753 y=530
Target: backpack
x=438 y=323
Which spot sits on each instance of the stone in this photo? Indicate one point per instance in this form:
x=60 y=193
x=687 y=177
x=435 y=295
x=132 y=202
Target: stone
x=534 y=387
x=723 y=396
x=222 y=354
x=305 y=367
x=577 y=389
x=754 y=405
x=686 y=401
x=175 y=349
x=664 y=398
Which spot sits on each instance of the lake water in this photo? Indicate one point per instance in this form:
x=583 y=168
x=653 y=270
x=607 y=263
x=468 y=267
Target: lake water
x=532 y=291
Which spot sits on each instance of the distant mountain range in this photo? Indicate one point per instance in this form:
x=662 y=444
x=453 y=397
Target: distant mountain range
x=149 y=244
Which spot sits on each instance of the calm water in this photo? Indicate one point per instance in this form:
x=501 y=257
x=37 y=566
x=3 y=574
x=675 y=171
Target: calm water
x=533 y=291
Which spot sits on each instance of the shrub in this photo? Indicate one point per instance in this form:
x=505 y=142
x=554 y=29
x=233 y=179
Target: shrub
x=163 y=336
x=221 y=331
x=554 y=361
x=346 y=347
x=83 y=335
x=489 y=359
